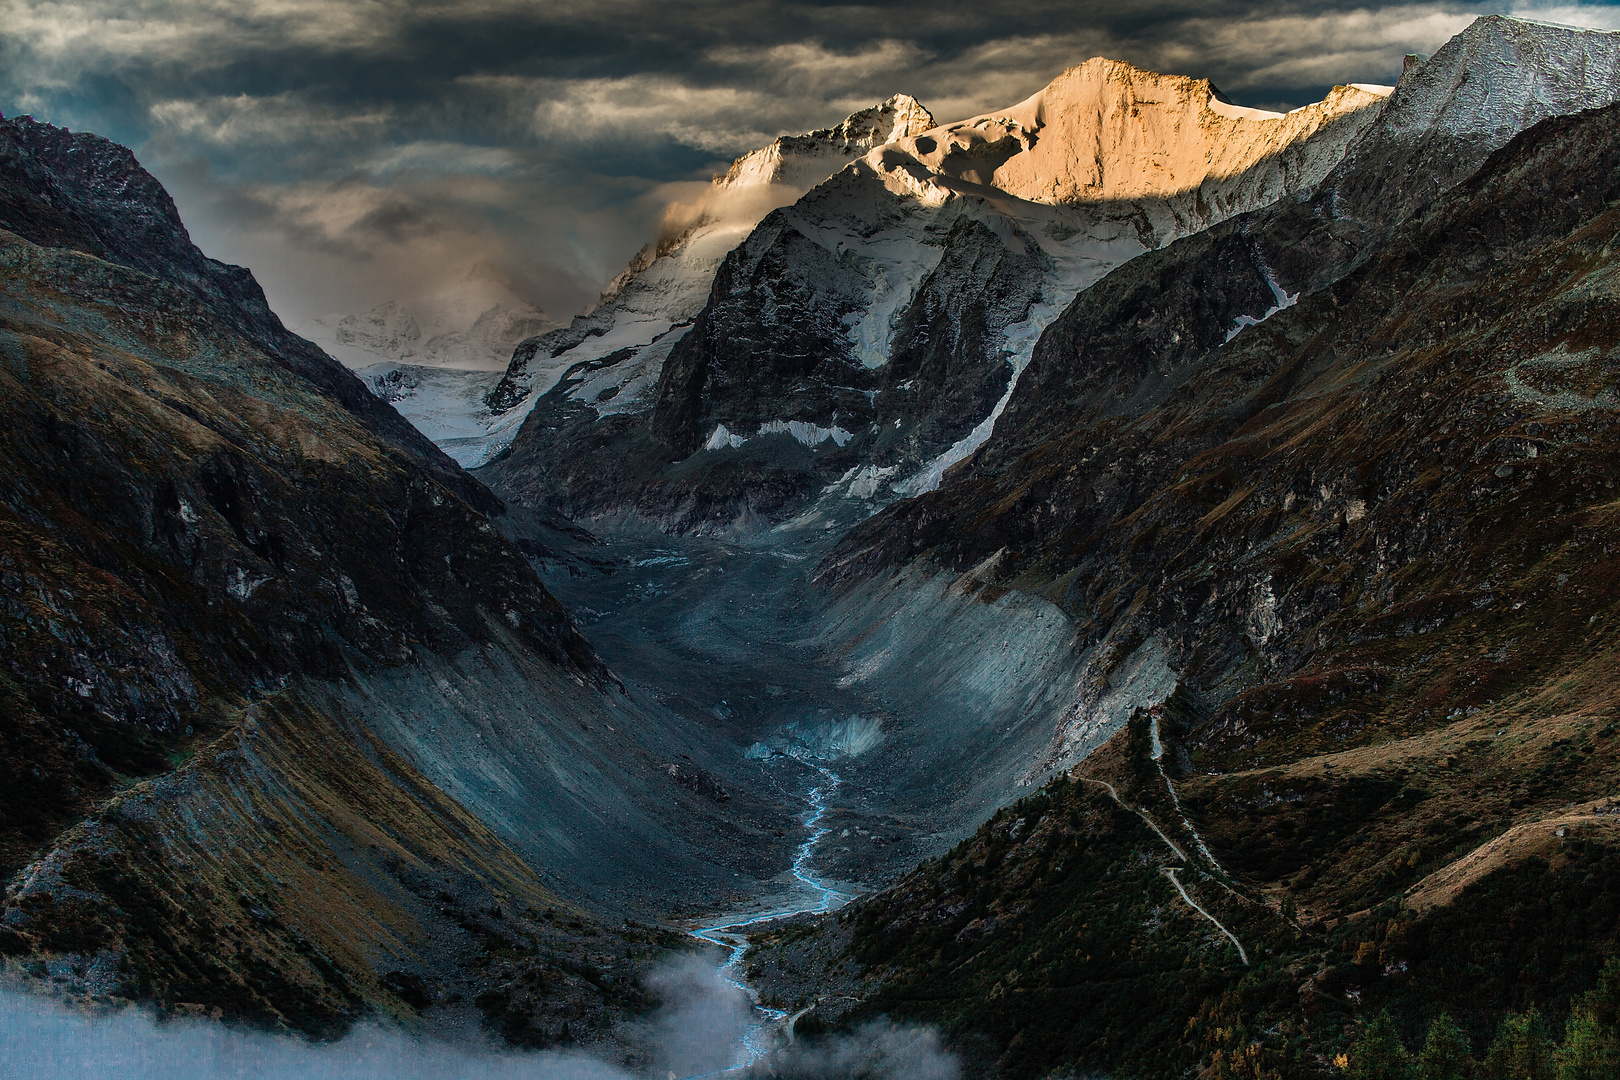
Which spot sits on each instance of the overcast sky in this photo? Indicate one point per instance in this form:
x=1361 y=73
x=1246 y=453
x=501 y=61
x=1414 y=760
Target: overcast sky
x=353 y=151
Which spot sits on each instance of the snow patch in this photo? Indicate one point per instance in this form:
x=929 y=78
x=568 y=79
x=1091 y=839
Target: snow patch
x=1284 y=300
x=1021 y=338
x=723 y=439
x=861 y=481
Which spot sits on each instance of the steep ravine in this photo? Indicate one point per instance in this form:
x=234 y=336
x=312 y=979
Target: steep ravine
x=1256 y=673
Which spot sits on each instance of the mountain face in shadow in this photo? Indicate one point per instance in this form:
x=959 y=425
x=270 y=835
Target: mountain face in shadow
x=1363 y=531
x=291 y=729
x=860 y=336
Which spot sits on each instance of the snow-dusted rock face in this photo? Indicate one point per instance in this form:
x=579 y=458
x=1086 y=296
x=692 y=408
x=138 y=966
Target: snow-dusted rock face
x=647 y=307
x=803 y=161
x=1497 y=78
x=900 y=299
x=1124 y=393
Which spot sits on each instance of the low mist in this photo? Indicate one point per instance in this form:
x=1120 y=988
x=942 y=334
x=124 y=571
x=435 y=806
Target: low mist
x=877 y=1051
x=698 y=1032
x=41 y=1039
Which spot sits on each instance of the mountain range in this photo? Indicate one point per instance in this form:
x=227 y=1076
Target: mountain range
x=1181 y=530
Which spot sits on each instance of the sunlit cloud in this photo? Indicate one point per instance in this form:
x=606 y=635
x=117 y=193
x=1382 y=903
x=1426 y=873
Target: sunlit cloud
x=718 y=119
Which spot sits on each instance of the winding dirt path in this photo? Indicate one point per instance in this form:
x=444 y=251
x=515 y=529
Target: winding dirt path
x=1171 y=871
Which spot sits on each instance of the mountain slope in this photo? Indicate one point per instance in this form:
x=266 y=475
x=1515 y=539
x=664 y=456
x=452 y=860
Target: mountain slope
x=1082 y=442
x=1366 y=540
x=92 y=197
x=249 y=642
x=784 y=383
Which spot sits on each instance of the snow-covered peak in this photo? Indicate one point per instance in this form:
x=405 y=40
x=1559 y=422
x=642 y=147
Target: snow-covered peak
x=803 y=161
x=700 y=233
x=644 y=311
x=1106 y=130
x=1475 y=83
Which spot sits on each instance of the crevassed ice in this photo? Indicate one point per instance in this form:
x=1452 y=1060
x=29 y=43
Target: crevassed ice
x=807 y=433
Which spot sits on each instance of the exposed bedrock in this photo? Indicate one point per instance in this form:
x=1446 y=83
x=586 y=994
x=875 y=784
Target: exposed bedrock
x=290 y=728
x=1369 y=535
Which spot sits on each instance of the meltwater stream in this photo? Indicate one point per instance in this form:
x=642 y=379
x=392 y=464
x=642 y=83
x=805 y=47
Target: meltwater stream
x=732 y=935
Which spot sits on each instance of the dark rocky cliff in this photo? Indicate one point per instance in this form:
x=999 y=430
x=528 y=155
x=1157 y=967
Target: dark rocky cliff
x=80 y=192
x=1373 y=534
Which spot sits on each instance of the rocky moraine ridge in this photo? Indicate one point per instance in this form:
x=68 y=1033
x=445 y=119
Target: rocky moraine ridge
x=1182 y=530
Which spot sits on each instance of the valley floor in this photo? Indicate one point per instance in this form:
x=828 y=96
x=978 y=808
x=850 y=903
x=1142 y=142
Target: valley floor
x=725 y=634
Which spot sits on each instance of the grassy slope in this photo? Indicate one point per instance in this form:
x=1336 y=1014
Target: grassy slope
x=187 y=532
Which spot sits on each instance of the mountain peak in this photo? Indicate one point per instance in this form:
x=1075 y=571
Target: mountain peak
x=802 y=161
x=899 y=116
x=1498 y=77
x=1107 y=130
x=1472 y=84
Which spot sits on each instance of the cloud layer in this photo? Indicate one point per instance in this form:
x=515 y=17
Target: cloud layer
x=353 y=151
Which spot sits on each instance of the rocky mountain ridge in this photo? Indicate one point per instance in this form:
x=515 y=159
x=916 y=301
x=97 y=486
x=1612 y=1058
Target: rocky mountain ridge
x=845 y=292
x=1363 y=541
x=650 y=303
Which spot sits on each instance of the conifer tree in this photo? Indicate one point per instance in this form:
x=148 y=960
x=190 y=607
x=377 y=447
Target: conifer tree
x=1602 y=1002
x=1522 y=1051
x=1445 y=1052
x=1379 y=1054
x=1589 y=1051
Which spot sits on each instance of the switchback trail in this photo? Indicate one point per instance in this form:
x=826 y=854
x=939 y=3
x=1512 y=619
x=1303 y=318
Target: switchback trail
x=1171 y=871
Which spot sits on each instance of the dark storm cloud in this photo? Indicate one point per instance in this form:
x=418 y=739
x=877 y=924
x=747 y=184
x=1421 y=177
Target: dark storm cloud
x=351 y=149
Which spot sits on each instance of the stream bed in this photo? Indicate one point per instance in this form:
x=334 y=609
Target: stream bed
x=731 y=934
